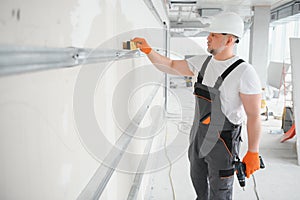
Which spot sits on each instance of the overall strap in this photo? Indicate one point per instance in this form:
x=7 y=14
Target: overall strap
x=204 y=66
x=227 y=72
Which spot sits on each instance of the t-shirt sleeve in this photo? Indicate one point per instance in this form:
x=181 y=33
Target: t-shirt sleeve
x=195 y=63
x=250 y=83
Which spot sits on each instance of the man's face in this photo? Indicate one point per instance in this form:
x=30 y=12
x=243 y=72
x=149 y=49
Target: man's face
x=216 y=43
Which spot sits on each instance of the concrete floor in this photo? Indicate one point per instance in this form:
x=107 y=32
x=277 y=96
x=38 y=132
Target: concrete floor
x=278 y=181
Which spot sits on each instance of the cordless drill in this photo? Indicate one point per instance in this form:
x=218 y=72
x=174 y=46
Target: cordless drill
x=240 y=169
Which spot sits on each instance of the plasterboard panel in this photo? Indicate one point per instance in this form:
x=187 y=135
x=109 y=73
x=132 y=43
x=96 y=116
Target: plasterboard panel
x=295 y=61
x=275 y=73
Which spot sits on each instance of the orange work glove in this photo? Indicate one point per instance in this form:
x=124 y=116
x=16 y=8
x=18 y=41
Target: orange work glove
x=252 y=163
x=142 y=44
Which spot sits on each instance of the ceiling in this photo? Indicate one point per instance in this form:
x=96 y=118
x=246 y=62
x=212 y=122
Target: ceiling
x=189 y=17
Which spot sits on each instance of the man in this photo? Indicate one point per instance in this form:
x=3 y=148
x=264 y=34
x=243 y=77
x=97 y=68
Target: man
x=226 y=88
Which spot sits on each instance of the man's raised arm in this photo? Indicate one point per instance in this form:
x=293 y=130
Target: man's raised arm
x=164 y=64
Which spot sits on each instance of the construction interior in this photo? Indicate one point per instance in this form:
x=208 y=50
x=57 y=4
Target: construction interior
x=86 y=115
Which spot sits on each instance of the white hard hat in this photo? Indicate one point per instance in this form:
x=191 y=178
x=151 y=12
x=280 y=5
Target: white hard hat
x=227 y=22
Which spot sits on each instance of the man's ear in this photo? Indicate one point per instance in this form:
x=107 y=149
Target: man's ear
x=231 y=40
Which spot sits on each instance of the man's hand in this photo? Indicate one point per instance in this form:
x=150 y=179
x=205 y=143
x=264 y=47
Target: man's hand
x=142 y=44
x=252 y=163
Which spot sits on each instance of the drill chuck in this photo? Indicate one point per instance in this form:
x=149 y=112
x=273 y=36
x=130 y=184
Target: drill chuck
x=240 y=169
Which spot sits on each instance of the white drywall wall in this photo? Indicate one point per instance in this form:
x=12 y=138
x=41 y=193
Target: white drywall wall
x=181 y=46
x=42 y=154
x=295 y=63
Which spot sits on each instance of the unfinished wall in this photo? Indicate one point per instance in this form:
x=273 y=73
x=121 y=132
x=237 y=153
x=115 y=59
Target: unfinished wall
x=42 y=153
x=295 y=62
x=181 y=46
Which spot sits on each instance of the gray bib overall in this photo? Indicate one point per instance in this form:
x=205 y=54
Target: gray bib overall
x=214 y=141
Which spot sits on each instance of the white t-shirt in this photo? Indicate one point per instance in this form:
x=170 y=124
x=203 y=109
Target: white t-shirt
x=242 y=79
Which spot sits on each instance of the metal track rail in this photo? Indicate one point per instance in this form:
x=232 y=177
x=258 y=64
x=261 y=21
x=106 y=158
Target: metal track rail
x=98 y=182
x=24 y=59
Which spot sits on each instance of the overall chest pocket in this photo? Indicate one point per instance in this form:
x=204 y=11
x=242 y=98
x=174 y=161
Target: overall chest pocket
x=205 y=97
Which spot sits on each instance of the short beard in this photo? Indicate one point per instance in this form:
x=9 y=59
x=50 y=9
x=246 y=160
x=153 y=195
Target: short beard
x=212 y=51
x=215 y=51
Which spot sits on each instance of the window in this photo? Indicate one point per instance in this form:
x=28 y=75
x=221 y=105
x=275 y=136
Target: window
x=280 y=35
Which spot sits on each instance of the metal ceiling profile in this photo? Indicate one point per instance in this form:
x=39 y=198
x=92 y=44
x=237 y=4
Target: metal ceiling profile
x=181 y=2
x=207 y=12
x=286 y=12
x=187 y=24
x=188 y=19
